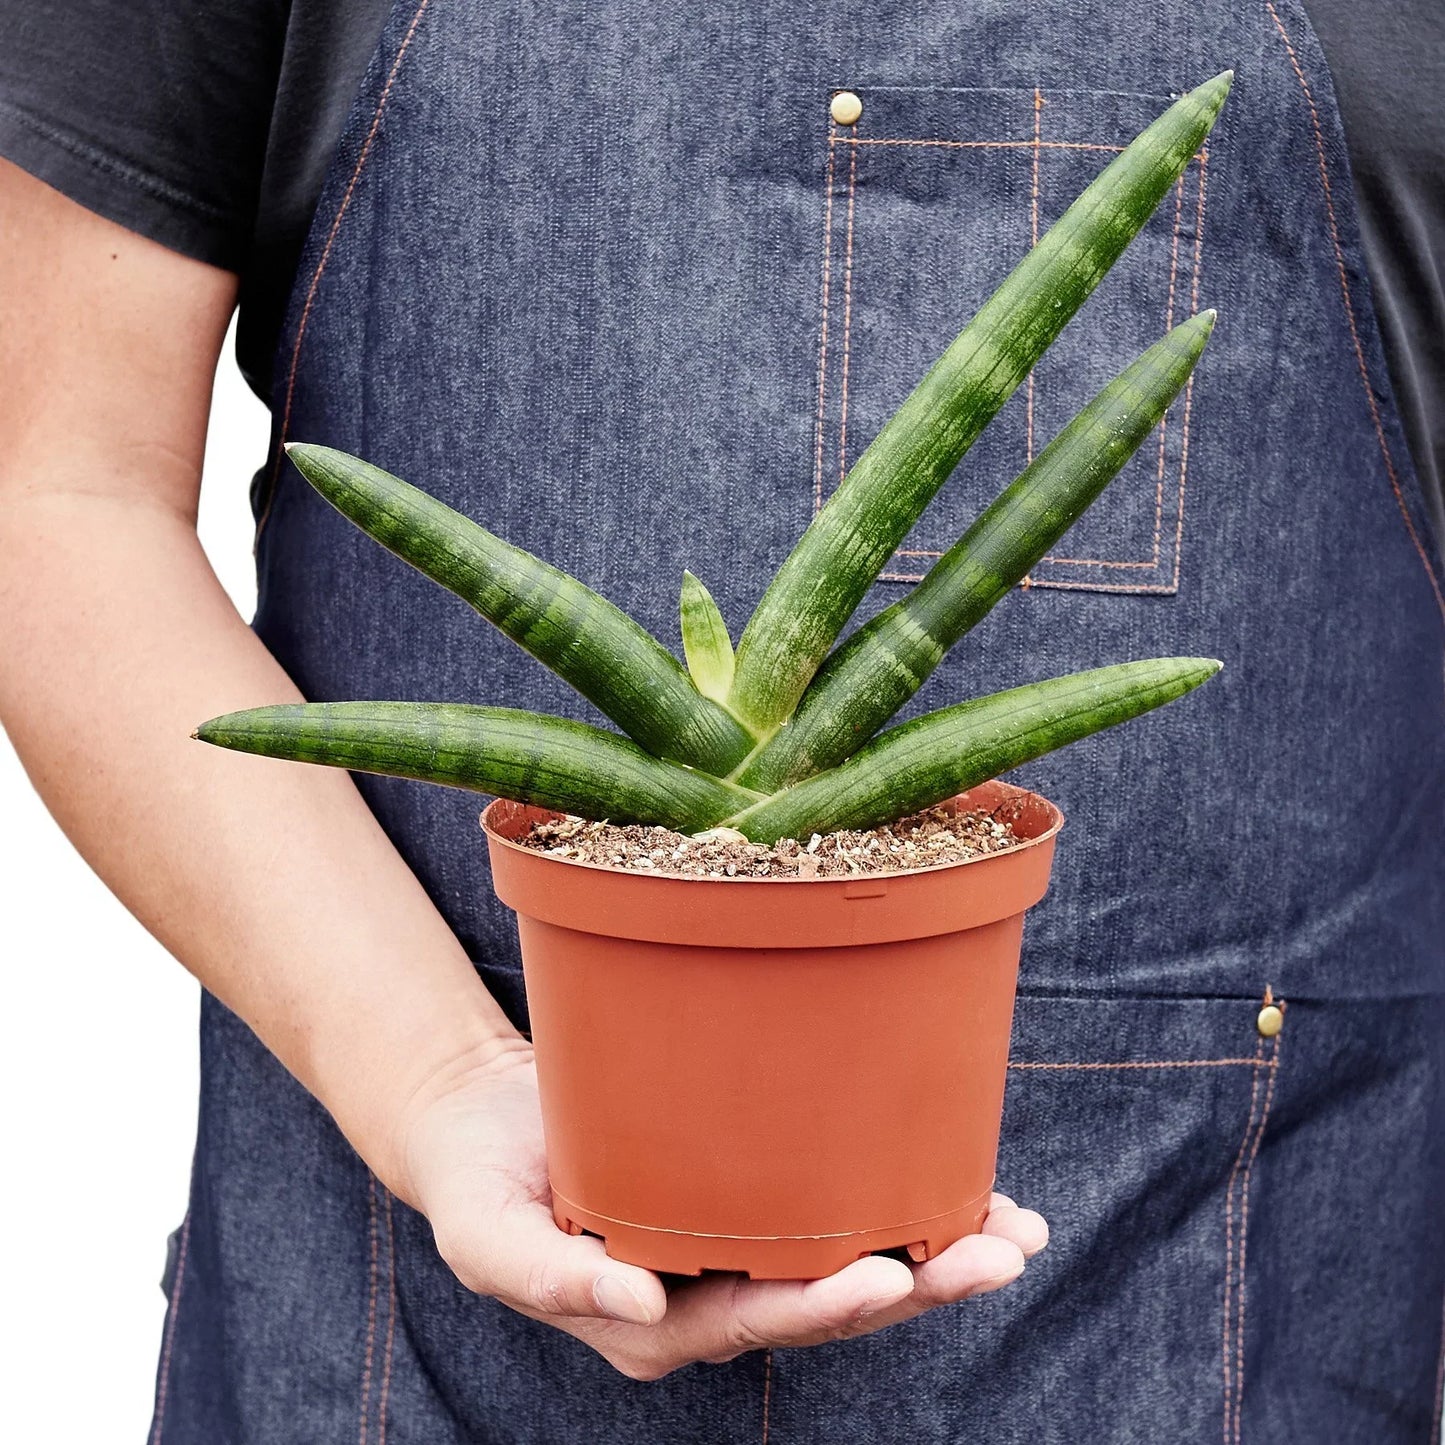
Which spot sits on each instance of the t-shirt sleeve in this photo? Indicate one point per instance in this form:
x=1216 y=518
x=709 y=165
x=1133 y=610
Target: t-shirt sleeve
x=152 y=113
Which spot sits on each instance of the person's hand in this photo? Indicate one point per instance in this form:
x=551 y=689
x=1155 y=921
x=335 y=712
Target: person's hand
x=473 y=1152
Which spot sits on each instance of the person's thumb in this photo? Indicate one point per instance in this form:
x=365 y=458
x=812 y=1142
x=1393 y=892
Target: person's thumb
x=524 y=1260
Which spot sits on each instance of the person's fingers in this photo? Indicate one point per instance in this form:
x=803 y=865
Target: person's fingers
x=974 y=1265
x=1000 y=1201
x=720 y=1318
x=522 y=1258
x=717 y=1320
x=1019 y=1226
x=768 y=1313
x=625 y=1313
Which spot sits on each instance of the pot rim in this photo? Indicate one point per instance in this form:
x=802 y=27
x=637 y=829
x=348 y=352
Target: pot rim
x=1006 y=792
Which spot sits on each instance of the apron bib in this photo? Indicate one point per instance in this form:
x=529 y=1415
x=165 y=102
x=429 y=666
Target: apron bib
x=612 y=282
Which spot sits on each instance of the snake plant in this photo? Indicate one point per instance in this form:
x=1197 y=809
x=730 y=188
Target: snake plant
x=782 y=737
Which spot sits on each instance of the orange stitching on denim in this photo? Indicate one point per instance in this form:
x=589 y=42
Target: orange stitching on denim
x=326 y=256
x=988 y=145
x=767 y=1392
x=1189 y=385
x=847 y=319
x=822 y=341
x=172 y=1313
x=1037 y=147
x=1174 y=251
x=1034 y=241
x=1198 y=267
x=370 y=1309
x=1162 y=589
x=1168 y=326
x=1229 y=1239
x=1350 y=312
x=1183 y=479
x=1242 y=1293
x=390 y=1322
x=1142 y=1064
x=1082 y=561
x=1101 y=562
x=1439 y=1383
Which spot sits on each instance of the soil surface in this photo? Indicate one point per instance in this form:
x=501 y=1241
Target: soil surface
x=926 y=840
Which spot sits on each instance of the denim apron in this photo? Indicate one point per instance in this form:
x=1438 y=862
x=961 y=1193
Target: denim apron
x=610 y=279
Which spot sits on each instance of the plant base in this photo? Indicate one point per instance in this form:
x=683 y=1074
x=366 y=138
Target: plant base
x=785 y=1257
x=758 y=1075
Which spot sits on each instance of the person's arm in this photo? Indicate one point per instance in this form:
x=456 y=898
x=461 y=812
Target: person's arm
x=273 y=883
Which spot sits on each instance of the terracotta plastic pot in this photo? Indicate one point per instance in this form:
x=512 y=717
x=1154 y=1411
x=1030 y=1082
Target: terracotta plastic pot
x=774 y=1076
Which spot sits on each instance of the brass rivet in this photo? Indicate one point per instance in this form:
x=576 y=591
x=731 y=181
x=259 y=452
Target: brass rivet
x=1270 y=1020
x=846 y=107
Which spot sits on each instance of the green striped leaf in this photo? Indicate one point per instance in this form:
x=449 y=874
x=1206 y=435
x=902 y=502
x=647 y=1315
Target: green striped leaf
x=932 y=758
x=705 y=641
x=582 y=637
x=884 y=663
x=551 y=762
x=821 y=583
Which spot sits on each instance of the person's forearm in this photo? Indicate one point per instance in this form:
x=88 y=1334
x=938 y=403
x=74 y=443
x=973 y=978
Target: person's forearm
x=271 y=882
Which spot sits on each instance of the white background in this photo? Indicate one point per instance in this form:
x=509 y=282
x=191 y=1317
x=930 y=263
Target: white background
x=98 y=1072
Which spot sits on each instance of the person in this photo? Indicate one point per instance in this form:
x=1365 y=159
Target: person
x=614 y=281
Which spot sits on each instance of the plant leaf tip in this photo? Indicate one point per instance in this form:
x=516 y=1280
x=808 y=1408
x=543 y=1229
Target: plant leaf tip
x=312 y=454
x=1214 y=92
x=1204 y=667
x=210 y=730
x=1200 y=321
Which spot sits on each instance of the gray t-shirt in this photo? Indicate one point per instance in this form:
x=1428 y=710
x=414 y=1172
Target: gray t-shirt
x=209 y=126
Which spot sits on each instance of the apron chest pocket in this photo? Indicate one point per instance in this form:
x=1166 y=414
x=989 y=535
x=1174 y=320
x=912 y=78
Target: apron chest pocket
x=930 y=198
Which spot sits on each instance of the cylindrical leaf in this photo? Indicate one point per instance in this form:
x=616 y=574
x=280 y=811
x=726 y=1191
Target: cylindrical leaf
x=582 y=637
x=828 y=572
x=931 y=758
x=884 y=663
x=551 y=762
x=705 y=641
